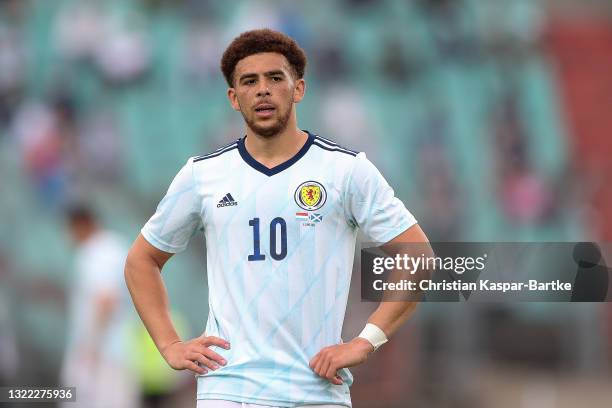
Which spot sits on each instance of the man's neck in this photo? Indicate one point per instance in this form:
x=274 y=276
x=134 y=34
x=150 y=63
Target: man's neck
x=277 y=149
x=89 y=233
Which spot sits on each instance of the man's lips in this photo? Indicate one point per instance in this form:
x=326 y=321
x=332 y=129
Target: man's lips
x=264 y=110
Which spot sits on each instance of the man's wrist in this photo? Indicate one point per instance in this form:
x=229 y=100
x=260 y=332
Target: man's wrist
x=374 y=335
x=363 y=343
x=165 y=347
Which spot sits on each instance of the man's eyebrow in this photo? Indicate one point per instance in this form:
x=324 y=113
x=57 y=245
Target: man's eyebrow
x=254 y=75
x=277 y=72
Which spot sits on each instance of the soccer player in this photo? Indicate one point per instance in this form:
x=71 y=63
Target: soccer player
x=97 y=354
x=280 y=209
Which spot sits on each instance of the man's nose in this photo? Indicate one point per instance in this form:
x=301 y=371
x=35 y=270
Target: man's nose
x=263 y=89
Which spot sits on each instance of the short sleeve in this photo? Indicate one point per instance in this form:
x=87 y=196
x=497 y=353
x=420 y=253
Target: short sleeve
x=101 y=263
x=371 y=205
x=178 y=215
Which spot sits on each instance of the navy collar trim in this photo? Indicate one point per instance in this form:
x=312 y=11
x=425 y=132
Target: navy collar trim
x=276 y=169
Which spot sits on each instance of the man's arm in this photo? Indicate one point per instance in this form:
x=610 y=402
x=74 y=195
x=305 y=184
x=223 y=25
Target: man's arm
x=389 y=316
x=105 y=305
x=143 y=277
x=88 y=349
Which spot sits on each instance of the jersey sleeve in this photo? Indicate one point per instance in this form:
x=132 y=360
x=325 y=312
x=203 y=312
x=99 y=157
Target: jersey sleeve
x=178 y=215
x=104 y=268
x=371 y=205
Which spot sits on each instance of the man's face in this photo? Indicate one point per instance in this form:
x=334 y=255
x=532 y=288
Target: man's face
x=264 y=92
x=80 y=230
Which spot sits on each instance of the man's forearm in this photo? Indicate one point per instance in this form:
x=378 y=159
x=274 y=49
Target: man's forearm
x=393 y=311
x=105 y=306
x=150 y=298
x=390 y=316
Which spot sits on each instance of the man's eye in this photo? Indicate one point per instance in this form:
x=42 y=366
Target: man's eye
x=277 y=79
x=249 y=82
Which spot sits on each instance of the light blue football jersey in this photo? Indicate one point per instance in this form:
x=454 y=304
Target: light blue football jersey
x=280 y=245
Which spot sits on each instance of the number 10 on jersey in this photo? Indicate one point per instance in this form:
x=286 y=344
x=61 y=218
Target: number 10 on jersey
x=275 y=253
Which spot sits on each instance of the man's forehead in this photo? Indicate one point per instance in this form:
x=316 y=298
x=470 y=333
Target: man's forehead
x=262 y=62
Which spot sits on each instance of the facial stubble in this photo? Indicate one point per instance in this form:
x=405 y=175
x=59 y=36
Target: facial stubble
x=268 y=131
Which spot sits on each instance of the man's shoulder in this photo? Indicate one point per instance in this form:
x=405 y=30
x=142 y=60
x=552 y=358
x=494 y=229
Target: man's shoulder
x=329 y=147
x=109 y=241
x=220 y=152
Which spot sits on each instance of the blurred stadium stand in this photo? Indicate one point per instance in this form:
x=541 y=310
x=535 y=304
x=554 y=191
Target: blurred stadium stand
x=490 y=118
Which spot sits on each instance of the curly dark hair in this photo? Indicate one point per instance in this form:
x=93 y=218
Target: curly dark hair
x=262 y=40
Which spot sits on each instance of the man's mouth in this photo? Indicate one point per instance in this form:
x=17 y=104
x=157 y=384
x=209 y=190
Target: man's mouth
x=264 y=110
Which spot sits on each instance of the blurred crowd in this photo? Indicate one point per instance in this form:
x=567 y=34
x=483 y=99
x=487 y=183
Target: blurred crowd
x=74 y=74
x=456 y=101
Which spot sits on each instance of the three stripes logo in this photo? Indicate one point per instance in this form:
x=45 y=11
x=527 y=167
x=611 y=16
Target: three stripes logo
x=227 y=201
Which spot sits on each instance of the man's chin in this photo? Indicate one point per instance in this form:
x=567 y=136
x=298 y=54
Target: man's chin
x=269 y=130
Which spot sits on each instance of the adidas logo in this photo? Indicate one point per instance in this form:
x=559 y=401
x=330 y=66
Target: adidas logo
x=227 y=201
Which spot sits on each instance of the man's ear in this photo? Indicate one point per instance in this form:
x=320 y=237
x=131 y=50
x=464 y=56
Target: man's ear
x=299 y=90
x=231 y=95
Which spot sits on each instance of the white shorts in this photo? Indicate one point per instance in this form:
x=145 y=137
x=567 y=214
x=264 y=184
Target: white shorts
x=110 y=384
x=202 y=403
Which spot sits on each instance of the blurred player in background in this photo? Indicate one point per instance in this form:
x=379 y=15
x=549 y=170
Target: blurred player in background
x=97 y=360
x=280 y=209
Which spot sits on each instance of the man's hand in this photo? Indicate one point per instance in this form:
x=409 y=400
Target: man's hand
x=184 y=355
x=329 y=360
